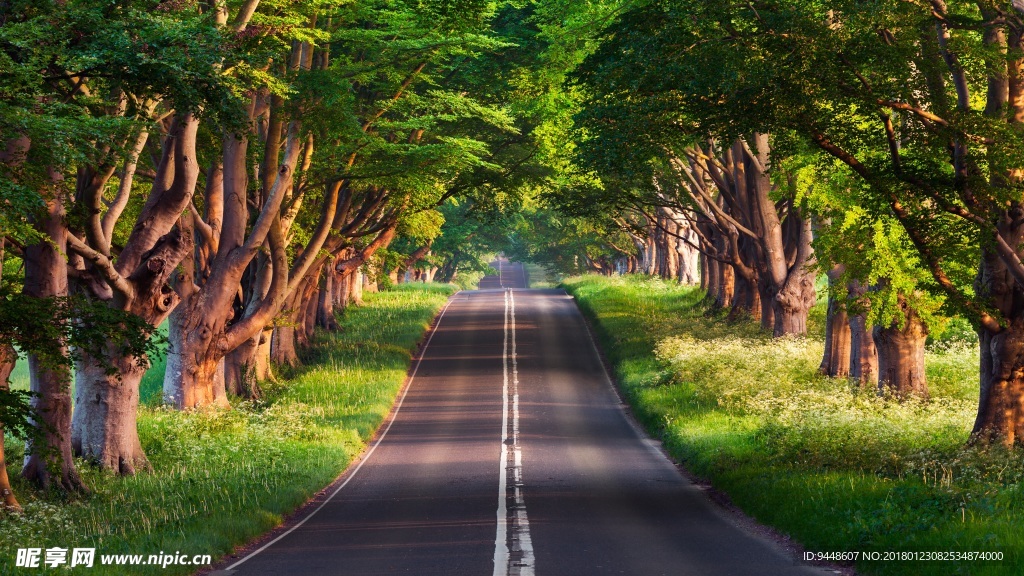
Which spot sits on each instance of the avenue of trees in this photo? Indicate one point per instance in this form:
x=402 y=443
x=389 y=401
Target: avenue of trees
x=878 y=145
x=241 y=170
x=238 y=171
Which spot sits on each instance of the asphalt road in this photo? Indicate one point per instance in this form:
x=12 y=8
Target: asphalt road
x=511 y=454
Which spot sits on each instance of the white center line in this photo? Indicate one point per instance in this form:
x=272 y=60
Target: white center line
x=513 y=548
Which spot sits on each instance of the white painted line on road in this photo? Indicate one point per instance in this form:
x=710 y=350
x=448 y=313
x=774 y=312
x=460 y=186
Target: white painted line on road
x=513 y=552
x=369 y=452
x=501 y=536
x=521 y=536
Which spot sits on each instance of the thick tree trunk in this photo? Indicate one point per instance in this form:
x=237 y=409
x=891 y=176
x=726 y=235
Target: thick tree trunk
x=191 y=377
x=863 y=354
x=104 y=426
x=901 y=357
x=835 y=361
x=792 y=304
x=708 y=274
x=689 y=258
x=242 y=369
x=838 y=354
x=283 y=349
x=105 y=430
x=344 y=296
x=50 y=462
x=1000 y=416
x=308 y=325
x=7 y=359
x=1000 y=408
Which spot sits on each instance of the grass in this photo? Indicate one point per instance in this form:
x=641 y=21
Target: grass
x=222 y=478
x=835 y=467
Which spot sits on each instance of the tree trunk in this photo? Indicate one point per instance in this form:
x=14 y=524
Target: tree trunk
x=104 y=425
x=901 y=357
x=726 y=287
x=105 y=429
x=283 y=349
x=46 y=277
x=325 y=306
x=838 y=341
x=708 y=274
x=746 y=301
x=767 y=305
x=190 y=380
x=838 y=338
x=8 y=357
x=863 y=355
x=689 y=262
x=242 y=369
x=792 y=304
x=358 y=282
x=308 y=318
x=343 y=297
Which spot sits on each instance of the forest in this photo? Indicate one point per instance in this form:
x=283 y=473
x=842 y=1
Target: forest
x=212 y=185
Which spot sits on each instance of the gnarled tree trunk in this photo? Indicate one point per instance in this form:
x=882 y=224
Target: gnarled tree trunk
x=104 y=426
x=792 y=304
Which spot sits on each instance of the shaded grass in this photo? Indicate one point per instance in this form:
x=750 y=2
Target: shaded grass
x=835 y=467
x=222 y=478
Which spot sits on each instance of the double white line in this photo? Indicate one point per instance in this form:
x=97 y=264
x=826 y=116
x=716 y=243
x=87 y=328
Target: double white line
x=513 y=549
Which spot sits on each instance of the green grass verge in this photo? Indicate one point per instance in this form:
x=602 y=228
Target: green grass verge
x=222 y=478
x=835 y=467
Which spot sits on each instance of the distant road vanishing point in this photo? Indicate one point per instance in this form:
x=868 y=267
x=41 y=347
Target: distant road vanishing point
x=510 y=454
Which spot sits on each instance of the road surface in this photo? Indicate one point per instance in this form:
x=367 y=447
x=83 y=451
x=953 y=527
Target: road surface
x=510 y=454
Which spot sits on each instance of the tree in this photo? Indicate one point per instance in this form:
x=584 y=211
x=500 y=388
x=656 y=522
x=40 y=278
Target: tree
x=922 y=102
